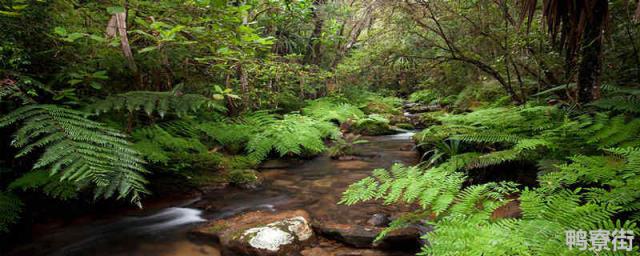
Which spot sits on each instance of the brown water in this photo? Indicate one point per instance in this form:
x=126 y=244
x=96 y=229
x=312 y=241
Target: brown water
x=315 y=185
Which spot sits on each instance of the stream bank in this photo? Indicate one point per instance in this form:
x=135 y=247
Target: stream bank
x=314 y=186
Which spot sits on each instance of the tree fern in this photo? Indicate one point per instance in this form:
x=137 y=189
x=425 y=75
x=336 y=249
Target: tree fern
x=51 y=185
x=152 y=102
x=79 y=150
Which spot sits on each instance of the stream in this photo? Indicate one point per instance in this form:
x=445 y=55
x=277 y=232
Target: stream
x=313 y=185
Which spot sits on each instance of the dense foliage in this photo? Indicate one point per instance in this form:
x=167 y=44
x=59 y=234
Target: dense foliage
x=526 y=103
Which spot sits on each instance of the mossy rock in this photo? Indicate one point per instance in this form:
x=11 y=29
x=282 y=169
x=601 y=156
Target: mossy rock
x=207 y=179
x=406 y=126
x=430 y=118
x=397 y=119
x=238 y=162
x=204 y=161
x=245 y=178
x=373 y=125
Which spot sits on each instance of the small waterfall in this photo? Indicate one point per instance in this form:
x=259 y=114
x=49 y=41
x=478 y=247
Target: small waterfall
x=132 y=227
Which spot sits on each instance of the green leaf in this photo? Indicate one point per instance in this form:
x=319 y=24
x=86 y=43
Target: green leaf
x=74 y=81
x=73 y=37
x=102 y=75
x=97 y=38
x=60 y=31
x=115 y=9
x=95 y=85
x=148 y=49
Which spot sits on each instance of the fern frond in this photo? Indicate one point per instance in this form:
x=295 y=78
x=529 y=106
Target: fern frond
x=291 y=135
x=327 y=109
x=79 y=150
x=10 y=207
x=52 y=186
x=625 y=104
x=151 y=102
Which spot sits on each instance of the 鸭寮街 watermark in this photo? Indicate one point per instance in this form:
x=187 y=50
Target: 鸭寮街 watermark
x=600 y=240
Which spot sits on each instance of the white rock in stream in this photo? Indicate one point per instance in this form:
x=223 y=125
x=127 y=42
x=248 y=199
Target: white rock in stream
x=276 y=234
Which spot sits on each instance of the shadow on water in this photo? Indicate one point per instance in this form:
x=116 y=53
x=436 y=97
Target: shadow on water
x=315 y=185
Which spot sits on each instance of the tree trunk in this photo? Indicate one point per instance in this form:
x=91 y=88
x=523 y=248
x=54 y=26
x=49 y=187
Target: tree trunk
x=312 y=55
x=244 y=85
x=591 y=54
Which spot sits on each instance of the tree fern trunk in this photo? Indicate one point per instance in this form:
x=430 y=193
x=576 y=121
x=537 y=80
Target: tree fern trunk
x=591 y=54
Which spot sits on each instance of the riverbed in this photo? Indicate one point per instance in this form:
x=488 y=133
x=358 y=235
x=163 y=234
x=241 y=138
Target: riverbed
x=314 y=185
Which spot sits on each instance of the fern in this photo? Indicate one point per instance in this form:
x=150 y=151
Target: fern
x=539 y=232
x=152 y=102
x=79 y=150
x=156 y=144
x=328 y=109
x=52 y=186
x=291 y=135
x=437 y=189
x=240 y=130
x=610 y=179
x=619 y=99
x=10 y=207
x=22 y=88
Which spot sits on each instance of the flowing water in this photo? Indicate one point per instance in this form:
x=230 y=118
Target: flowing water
x=314 y=185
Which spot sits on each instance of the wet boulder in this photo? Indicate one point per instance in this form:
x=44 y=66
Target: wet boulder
x=260 y=233
x=361 y=236
x=279 y=164
x=379 y=220
x=332 y=248
x=373 y=125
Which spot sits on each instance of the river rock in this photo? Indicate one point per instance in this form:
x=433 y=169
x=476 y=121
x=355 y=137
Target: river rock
x=360 y=236
x=351 y=165
x=260 y=233
x=422 y=108
x=332 y=248
x=280 y=164
x=379 y=220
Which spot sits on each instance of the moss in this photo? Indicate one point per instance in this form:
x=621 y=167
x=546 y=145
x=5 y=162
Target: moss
x=195 y=161
x=238 y=162
x=199 y=178
x=431 y=118
x=242 y=177
x=217 y=228
x=373 y=125
x=406 y=126
x=426 y=96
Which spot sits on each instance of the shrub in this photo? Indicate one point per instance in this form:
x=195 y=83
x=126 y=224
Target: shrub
x=426 y=97
x=344 y=146
x=329 y=109
x=373 y=124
